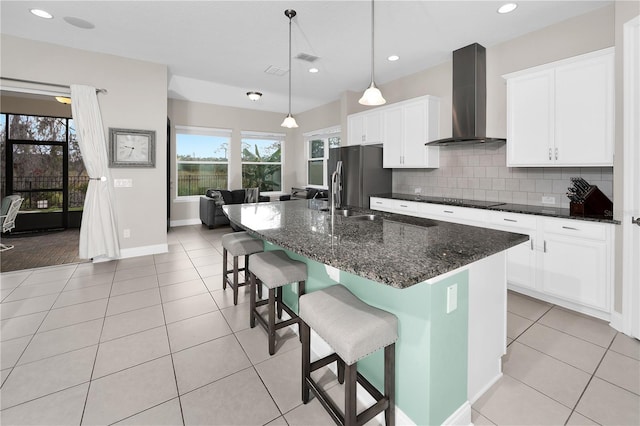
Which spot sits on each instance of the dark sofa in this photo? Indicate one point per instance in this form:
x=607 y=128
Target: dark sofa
x=211 y=213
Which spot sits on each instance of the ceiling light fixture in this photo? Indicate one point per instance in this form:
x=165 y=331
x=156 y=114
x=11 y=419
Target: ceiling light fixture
x=289 y=122
x=41 y=13
x=393 y=58
x=64 y=100
x=313 y=70
x=254 y=96
x=372 y=96
x=507 y=7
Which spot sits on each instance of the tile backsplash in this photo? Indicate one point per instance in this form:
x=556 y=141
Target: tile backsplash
x=479 y=172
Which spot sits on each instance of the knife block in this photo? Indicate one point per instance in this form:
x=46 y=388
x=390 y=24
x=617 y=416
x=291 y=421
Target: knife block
x=596 y=205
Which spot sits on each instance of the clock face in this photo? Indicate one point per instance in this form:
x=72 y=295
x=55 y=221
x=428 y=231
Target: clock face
x=131 y=148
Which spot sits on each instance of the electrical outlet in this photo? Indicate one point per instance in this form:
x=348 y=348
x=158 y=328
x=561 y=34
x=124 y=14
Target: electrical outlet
x=452 y=298
x=123 y=183
x=548 y=200
x=418 y=190
x=126 y=233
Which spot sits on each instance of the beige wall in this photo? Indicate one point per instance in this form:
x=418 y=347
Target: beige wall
x=136 y=99
x=184 y=113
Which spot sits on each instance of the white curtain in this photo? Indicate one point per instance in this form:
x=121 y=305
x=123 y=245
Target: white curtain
x=98 y=232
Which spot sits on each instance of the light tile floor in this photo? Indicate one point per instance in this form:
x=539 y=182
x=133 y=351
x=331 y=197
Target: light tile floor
x=155 y=340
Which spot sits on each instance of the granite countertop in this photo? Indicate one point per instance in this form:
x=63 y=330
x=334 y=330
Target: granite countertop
x=558 y=212
x=396 y=250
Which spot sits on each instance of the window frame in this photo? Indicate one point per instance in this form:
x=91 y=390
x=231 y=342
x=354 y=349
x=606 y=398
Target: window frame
x=281 y=137
x=200 y=131
x=323 y=134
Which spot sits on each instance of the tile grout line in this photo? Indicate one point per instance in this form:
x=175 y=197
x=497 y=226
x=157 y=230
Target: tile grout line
x=95 y=358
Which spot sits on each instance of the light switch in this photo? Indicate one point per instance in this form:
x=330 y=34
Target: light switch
x=452 y=298
x=123 y=183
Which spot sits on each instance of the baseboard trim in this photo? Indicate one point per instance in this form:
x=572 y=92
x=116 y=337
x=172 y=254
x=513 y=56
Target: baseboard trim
x=143 y=251
x=617 y=323
x=474 y=398
x=184 y=222
x=460 y=417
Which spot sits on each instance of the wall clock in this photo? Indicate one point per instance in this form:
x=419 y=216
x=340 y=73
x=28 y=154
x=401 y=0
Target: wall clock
x=132 y=148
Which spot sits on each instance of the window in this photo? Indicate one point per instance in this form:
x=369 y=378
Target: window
x=262 y=161
x=202 y=159
x=318 y=145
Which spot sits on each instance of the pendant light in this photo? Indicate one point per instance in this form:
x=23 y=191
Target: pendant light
x=289 y=122
x=372 y=96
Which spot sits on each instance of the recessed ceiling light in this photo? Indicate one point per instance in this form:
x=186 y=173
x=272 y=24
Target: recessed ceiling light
x=313 y=70
x=393 y=58
x=41 y=13
x=507 y=7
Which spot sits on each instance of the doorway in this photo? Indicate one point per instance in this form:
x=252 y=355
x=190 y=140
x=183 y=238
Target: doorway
x=42 y=163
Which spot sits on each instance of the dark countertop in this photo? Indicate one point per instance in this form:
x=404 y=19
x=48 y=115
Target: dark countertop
x=558 y=212
x=393 y=249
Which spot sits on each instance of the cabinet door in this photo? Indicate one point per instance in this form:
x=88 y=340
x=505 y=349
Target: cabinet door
x=575 y=269
x=584 y=112
x=372 y=127
x=530 y=119
x=392 y=139
x=355 y=125
x=414 y=124
x=521 y=264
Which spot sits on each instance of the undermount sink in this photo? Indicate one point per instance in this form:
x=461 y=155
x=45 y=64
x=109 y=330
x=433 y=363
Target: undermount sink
x=362 y=217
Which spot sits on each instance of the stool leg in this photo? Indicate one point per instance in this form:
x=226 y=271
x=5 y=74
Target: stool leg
x=272 y=321
x=306 y=359
x=279 y=300
x=224 y=268
x=235 y=280
x=390 y=383
x=246 y=269
x=252 y=300
x=350 y=405
x=300 y=293
x=340 y=371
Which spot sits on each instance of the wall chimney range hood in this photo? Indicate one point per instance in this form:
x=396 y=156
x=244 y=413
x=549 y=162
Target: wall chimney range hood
x=469 y=104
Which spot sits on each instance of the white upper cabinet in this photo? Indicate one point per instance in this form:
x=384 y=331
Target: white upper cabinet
x=365 y=128
x=561 y=114
x=408 y=125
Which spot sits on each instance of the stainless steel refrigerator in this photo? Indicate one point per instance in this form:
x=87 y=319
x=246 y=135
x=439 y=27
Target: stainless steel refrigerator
x=362 y=173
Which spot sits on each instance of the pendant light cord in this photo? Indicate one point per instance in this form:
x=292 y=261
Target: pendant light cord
x=372 y=46
x=290 y=18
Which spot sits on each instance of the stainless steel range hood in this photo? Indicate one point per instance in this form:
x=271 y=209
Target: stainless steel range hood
x=469 y=98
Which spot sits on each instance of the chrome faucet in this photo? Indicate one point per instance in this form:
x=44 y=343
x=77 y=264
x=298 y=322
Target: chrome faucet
x=336 y=193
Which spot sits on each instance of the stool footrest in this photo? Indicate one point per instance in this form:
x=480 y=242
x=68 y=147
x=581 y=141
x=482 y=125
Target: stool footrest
x=281 y=324
x=326 y=402
x=323 y=361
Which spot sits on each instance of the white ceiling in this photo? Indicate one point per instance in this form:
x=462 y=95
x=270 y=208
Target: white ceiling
x=218 y=50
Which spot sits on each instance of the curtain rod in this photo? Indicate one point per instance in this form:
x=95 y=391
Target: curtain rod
x=19 y=80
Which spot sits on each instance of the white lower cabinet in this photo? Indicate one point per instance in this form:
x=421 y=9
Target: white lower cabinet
x=567 y=262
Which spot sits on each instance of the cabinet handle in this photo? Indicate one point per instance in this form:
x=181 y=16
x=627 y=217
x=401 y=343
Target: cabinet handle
x=544 y=246
x=403 y=205
x=556 y=153
x=448 y=211
x=378 y=202
x=549 y=153
x=571 y=228
x=363 y=138
x=531 y=241
x=509 y=220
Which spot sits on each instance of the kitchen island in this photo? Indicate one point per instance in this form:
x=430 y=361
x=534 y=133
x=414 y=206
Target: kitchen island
x=445 y=282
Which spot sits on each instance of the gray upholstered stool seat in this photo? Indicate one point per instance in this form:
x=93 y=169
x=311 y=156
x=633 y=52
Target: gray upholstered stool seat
x=238 y=244
x=274 y=269
x=354 y=330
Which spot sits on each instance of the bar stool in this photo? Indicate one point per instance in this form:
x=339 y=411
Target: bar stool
x=274 y=269
x=353 y=329
x=238 y=244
